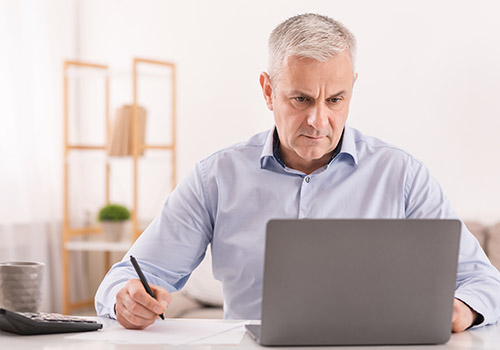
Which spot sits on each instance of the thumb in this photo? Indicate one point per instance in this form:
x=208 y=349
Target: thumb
x=164 y=297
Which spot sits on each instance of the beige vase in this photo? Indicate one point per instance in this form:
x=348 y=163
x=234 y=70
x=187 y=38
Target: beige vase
x=114 y=231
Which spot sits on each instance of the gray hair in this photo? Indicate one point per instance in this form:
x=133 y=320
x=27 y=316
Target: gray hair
x=311 y=36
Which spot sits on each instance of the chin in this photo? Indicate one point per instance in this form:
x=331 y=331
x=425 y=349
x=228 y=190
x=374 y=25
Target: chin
x=310 y=156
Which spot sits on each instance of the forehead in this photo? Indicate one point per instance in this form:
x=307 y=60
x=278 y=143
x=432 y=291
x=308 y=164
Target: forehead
x=301 y=73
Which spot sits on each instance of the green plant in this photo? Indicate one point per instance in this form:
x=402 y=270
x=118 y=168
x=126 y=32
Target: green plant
x=114 y=212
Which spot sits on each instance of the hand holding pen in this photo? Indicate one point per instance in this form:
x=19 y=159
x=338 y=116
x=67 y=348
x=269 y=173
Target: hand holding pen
x=143 y=280
x=137 y=308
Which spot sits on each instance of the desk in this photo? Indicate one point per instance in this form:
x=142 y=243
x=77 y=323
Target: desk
x=482 y=338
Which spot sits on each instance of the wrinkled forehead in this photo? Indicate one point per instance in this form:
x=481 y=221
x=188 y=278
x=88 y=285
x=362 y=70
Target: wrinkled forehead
x=309 y=73
x=296 y=63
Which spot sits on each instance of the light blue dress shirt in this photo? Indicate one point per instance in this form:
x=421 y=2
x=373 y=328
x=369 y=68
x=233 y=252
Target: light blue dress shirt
x=230 y=196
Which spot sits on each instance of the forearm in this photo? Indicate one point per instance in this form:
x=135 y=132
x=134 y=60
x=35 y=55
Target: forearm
x=105 y=297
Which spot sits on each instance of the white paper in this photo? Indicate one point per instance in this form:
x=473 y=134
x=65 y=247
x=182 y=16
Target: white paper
x=172 y=331
x=231 y=336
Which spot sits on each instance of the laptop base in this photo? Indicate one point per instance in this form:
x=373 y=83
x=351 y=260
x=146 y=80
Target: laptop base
x=254 y=331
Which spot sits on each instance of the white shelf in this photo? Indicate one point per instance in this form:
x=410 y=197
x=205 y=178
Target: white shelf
x=97 y=246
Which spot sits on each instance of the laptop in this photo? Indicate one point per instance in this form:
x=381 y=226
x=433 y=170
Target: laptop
x=358 y=282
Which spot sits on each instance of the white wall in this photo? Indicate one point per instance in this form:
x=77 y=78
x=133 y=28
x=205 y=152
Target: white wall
x=428 y=82
x=35 y=37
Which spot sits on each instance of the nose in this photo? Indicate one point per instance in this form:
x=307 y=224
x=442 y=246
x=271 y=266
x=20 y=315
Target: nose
x=318 y=117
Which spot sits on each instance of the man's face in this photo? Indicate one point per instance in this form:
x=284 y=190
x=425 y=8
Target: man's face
x=310 y=100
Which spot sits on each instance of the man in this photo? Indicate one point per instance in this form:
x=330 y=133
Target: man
x=311 y=165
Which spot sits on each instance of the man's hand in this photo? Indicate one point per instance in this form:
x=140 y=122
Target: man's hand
x=463 y=316
x=136 y=309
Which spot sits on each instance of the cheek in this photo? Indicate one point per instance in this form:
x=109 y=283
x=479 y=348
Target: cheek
x=339 y=116
x=288 y=126
x=293 y=124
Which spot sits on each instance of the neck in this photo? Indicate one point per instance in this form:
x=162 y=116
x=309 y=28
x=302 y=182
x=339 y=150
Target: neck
x=308 y=166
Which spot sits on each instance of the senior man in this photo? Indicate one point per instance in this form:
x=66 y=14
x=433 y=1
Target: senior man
x=310 y=165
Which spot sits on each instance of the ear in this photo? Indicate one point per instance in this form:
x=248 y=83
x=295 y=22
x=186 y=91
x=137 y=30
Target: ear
x=267 y=89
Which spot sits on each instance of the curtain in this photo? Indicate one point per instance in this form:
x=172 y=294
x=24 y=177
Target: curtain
x=35 y=38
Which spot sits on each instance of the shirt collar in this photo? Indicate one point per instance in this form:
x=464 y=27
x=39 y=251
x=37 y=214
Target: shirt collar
x=270 y=156
x=276 y=148
x=267 y=159
x=349 y=145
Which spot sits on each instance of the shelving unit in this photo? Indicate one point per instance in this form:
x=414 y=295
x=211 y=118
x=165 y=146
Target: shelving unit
x=138 y=148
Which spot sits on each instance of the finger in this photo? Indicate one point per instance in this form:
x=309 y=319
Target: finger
x=456 y=310
x=129 y=313
x=164 y=297
x=138 y=309
x=456 y=318
x=131 y=321
x=139 y=295
x=127 y=319
x=125 y=316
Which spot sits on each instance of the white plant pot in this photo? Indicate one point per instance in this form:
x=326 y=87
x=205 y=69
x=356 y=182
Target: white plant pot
x=114 y=231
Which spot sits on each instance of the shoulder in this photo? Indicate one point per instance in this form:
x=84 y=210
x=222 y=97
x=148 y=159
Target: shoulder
x=370 y=147
x=248 y=150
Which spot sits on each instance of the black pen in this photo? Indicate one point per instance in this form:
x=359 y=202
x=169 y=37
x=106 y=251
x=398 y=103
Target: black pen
x=143 y=280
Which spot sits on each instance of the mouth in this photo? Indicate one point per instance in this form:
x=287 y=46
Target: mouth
x=313 y=137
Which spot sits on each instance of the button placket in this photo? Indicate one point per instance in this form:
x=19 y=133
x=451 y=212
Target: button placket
x=304 y=197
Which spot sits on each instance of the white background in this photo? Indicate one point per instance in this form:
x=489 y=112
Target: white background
x=429 y=79
x=429 y=76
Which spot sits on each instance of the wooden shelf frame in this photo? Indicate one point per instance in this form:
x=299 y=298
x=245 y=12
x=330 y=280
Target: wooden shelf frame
x=68 y=230
x=137 y=149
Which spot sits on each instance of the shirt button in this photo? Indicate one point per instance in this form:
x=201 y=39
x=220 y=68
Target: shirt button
x=307 y=179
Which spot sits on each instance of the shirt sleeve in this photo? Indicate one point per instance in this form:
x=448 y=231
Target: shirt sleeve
x=478 y=281
x=171 y=247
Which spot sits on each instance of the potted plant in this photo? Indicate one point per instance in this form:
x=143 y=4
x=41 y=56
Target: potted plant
x=113 y=219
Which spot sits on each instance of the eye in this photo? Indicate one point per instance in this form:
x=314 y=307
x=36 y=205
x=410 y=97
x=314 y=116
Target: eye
x=335 y=100
x=300 y=99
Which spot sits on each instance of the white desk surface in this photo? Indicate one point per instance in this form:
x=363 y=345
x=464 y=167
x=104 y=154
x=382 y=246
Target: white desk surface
x=483 y=338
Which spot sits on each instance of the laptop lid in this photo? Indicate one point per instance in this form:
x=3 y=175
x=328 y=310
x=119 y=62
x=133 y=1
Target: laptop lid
x=359 y=282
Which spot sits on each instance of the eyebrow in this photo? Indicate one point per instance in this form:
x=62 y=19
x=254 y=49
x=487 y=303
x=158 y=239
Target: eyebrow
x=302 y=93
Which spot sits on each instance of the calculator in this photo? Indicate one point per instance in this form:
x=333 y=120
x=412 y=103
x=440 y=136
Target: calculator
x=28 y=323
